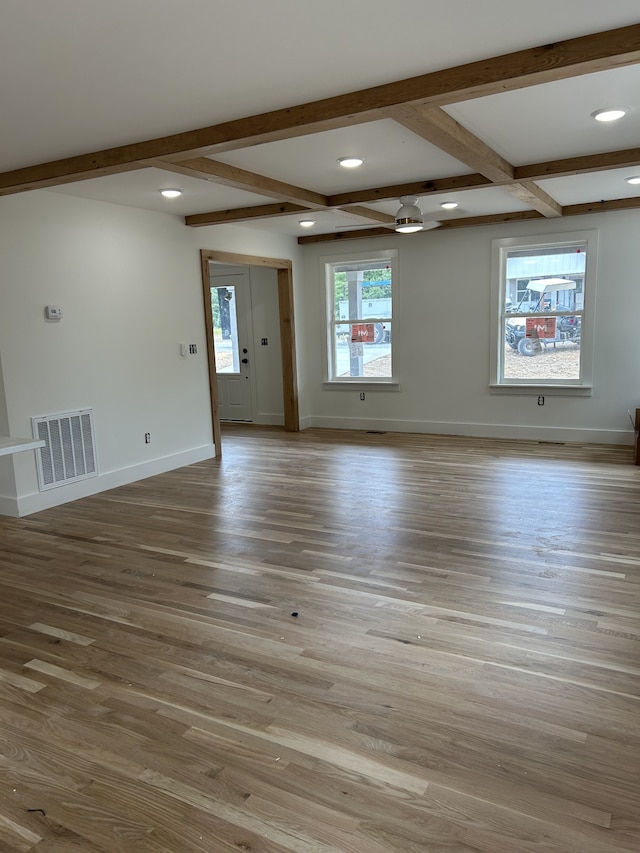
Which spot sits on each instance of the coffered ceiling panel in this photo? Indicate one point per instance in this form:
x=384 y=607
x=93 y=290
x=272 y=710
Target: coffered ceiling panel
x=581 y=189
x=142 y=189
x=390 y=151
x=554 y=120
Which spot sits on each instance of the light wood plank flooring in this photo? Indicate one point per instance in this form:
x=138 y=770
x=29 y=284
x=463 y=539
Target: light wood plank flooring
x=462 y=674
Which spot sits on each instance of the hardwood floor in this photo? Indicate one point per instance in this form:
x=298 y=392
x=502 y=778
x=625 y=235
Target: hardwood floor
x=462 y=674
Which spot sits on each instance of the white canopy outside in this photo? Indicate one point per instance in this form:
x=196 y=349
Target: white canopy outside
x=546 y=285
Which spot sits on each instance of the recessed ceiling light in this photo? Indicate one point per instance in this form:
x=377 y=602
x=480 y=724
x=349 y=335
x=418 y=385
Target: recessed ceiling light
x=350 y=162
x=634 y=179
x=449 y=205
x=307 y=223
x=171 y=193
x=609 y=114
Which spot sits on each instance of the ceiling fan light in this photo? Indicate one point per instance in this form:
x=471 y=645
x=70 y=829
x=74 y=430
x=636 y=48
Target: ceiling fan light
x=350 y=162
x=409 y=215
x=408 y=228
x=610 y=114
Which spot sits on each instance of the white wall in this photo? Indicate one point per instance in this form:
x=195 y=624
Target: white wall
x=129 y=284
x=443 y=341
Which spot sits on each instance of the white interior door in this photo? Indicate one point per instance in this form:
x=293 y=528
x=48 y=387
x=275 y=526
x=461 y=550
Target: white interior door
x=231 y=314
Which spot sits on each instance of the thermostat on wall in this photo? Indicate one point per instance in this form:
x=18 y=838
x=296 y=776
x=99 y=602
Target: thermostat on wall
x=53 y=312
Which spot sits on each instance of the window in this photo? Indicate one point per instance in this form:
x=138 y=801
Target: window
x=360 y=296
x=543 y=294
x=225 y=328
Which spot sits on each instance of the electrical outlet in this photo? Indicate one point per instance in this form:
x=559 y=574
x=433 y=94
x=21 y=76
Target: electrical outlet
x=264 y=342
x=541 y=400
x=362 y=395
x=193 y=349
x=147 y=438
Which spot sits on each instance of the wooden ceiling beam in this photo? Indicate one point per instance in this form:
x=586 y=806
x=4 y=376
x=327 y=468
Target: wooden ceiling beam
x=612 y=204
x=244 y=214
x=441 y=130
x=419 y=188
x=41 y=177
x=628 y=158
x=241 y=179
x=523 y=215
x=529 y=67
x=336 y=236
x=438 y=128
x=369 y=213
x=535 y=197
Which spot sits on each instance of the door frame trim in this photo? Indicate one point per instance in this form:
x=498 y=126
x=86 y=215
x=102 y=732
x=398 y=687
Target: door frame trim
x=284 y=269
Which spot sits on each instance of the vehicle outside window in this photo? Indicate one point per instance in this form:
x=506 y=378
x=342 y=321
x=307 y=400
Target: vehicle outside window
x=551 y=301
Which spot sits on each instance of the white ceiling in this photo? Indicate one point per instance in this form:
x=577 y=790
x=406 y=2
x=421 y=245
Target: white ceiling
x=78 y=76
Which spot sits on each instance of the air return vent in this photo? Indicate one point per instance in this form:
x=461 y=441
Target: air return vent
x=69 y=453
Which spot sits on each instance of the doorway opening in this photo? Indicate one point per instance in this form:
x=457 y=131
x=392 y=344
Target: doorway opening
x=210 y=258
x=231 y=313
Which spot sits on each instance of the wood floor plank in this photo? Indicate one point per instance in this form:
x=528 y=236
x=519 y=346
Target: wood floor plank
x=329 y=642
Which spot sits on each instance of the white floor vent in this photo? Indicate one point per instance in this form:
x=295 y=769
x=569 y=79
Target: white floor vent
x=69 y=453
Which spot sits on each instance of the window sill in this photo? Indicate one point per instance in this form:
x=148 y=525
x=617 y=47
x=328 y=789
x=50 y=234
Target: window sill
x=546 y=390
x=361 y=385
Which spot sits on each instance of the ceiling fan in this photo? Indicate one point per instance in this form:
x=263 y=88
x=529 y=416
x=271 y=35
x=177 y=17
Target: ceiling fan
x=408 y=218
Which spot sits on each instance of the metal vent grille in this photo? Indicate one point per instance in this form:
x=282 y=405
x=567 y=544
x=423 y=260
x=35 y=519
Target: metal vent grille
x=69 y=453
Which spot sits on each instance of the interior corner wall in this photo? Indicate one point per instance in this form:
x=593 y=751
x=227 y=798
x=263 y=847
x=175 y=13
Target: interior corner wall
x=129 y=285
x=443 y=343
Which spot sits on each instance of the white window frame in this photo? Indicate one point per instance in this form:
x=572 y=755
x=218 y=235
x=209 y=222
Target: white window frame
x=328 y=262
x=564 y=387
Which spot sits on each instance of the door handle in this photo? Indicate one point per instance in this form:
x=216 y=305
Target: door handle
x=245 y=361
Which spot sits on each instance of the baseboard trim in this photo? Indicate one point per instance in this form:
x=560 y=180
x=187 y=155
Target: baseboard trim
x=8 y=506
x=479 y=430
x=38 y=501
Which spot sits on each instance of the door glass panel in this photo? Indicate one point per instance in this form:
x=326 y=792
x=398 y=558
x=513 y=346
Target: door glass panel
x=225 y=329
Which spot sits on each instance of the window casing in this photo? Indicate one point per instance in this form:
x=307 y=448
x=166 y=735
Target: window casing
x=543 y=299
x=361 y=293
